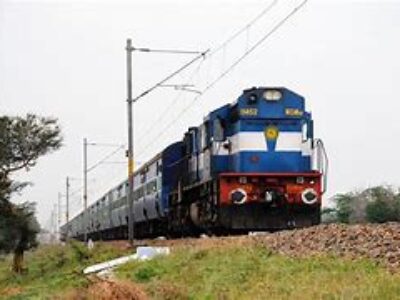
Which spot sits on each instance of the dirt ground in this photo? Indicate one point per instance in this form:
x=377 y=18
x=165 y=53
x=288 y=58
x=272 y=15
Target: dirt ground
x=102 y=289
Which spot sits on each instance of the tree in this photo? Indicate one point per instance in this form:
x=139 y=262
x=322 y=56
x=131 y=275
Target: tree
x=344 y=209
x=383 y=204
x=21 y=229
x=328 y=215
x=22 y=141
x=376 y=205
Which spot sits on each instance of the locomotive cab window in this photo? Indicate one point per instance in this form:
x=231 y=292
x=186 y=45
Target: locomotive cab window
x=304 y=133
x=307 y=130
x=218 y=131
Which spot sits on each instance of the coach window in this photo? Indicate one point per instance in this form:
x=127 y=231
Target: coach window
x=159 y=183
x=159 y=167
x=191 y=141
x=186 y=141
x=199 y=139
x=140 y=192
x=148 y=188
x=195 y=141
x=204 y=135
x=135 y=195
x=154 y=186
x=142 y=177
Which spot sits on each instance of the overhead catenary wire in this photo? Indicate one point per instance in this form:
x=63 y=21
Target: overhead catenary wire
x=173 y=74
x=244 y=28
x=252 y=48
x=226 y=71
x=209 y=55
x=165 y=112
x=74 y=200
x=104 y=159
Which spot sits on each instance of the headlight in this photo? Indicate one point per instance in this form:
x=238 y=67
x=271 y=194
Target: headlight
x=272 y=95
x=238 y=196
x=309 y=196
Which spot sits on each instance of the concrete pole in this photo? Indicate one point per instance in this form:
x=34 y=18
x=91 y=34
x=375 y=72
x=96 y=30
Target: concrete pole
x=85 y=212
x=58 y=215
x=55 y=221
x=67 y=208
x=129 y=198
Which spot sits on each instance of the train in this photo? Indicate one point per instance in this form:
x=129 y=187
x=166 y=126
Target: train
x=251 y=165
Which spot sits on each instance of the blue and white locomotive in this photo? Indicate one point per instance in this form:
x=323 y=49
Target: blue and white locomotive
x=251 y=165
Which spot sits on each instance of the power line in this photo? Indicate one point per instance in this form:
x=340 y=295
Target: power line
x=224 y=73
x=212 y=52
x=258 y=43
x=104 y=159
x=244 y=28
x=163 y=114
x=185 y=66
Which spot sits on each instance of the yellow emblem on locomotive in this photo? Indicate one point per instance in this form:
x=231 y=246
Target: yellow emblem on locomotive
x=271 y=133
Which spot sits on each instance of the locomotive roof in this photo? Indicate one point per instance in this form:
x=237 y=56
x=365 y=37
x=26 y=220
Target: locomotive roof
x=286 y=93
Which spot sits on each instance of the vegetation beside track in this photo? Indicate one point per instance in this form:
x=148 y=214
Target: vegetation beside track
x=53 y=270
x=227 y=268
x=256 y=273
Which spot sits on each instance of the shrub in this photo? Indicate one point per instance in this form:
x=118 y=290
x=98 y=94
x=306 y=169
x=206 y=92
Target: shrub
x=378 y=204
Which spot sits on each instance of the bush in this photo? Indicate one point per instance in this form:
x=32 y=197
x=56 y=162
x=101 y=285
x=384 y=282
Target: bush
x=375 y=205
x=379 y=212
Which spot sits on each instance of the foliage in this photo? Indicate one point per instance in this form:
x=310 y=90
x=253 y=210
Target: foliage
x=328 y=215
x=19 y=228
x=22 y=141
x=80 y=251
x=377 y=204
x=383 y=205
x=53 y=270
x=254 y=272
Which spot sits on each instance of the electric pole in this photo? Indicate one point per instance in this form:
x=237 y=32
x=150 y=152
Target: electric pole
x=85 y=212
x=129 y=197
x=67 y=209
x=129 y=49
x=58 y=215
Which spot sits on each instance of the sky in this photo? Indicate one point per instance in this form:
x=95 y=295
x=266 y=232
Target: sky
x=66 y=59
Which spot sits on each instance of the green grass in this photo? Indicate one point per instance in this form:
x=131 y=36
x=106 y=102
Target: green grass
x=230 y=272
x=52 y=270
x=255 y=273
